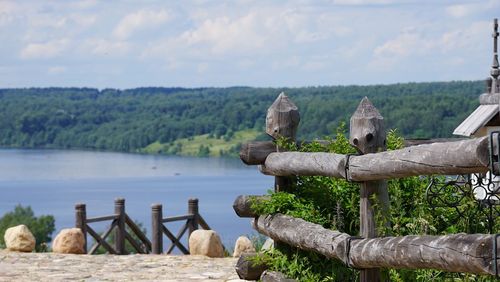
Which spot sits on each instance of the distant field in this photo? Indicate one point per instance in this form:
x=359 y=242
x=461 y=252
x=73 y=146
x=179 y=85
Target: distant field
x=204 y=145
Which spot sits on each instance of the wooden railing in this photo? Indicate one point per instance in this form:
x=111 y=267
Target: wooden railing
x=471 y=253
x=121 y=224
x=119 y=221
x=193 y=220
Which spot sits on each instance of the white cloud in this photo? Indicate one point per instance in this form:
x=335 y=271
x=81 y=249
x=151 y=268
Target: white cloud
x=7 y=12
x=56 y=70
x=363 y=2
x=45 y=50
x=458 y=11
x=142 y=19
x=106 y=47
x=403 y=45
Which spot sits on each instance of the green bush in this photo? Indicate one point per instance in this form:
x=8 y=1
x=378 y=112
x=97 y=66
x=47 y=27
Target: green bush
x=334 y=204
x=42 y=227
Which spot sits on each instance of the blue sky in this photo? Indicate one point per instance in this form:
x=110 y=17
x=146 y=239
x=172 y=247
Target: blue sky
x=125 y=44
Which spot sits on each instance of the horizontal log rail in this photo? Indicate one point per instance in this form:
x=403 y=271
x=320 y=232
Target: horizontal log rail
x=459 y=157
x=178 y=218
x=101 y=218
x=256 y=152
x=471 y=253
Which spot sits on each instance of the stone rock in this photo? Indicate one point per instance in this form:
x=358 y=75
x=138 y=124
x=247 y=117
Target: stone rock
x=19 y=238
x=268 y=245
x=69 y=241
x=243 y=245
x=206 y=243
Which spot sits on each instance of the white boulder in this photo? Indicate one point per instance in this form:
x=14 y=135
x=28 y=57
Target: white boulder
x=243 y=245
x=69 y=241
x=19 y=238
x=206 y=243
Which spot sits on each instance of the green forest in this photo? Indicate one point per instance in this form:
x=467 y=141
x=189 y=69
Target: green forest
x=163 y=120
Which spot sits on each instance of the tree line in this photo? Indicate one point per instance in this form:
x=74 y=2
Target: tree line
x=128 y=120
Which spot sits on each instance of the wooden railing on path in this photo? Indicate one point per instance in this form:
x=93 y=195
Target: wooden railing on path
x=119 y=221
x=141 y=244
x=193 y=221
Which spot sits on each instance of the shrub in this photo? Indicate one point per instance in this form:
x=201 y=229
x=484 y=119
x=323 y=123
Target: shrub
x=42 y=227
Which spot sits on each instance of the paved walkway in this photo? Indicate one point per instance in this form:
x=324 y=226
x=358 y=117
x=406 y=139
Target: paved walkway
x=57 y=267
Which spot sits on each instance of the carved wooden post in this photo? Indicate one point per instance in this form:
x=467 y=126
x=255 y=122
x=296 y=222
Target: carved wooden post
x=120 y=228
x=193 y=209
x=367 y=134
x=156 y=230
x=282 y=120
x=80 y=221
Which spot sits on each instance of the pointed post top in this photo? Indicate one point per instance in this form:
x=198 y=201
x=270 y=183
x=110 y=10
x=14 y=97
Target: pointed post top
x=367 y=129
x=366 y=110
x=282 y=118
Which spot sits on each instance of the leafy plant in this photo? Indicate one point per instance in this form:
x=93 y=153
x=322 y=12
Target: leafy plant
x=42 y=227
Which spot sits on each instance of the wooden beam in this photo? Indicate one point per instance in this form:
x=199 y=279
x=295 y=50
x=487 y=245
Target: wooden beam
x=242 y=205
x=448 y=158
x=471 y=253
x=256 y=152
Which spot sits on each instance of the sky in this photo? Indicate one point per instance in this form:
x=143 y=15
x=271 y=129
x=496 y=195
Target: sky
x=201 y=43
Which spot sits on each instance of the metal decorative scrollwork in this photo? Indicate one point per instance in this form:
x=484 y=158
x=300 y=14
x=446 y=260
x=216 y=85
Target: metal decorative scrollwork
x=474 y=197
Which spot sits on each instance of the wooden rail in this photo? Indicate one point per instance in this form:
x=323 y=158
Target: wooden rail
x=193 y=221
x=119 y=223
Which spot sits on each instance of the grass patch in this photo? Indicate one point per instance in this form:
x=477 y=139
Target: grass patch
x=206 y=145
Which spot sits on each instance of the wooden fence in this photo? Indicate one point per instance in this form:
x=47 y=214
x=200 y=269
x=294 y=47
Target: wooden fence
x=119 y=221
x=140 y=243
x=471 y=253
x=193 y=220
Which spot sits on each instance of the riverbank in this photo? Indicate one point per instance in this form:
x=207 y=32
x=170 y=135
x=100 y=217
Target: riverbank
x=62 y=267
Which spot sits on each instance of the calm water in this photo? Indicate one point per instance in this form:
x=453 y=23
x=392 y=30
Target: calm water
x=52 y=181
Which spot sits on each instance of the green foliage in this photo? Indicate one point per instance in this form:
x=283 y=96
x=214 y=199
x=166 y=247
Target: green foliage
x=42 y=227
x=130 y=120
x=334 y=203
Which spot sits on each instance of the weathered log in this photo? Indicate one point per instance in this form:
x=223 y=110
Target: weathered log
x=274 y=276
x=471 y=253
x=305 y=164
x=243 y=205
x=448 y=158
x=248 y=269
x=299 y=233
x=256 y=152
x=489 y=99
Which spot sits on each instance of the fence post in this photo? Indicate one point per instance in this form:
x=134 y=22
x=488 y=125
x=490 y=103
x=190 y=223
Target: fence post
x=120 y=228
x=367 y=134
x=156 y=230
x=282 y=120
x=80 y=221
x=193 y=209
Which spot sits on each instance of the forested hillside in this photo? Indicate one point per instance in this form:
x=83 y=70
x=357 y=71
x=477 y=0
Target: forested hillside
x=130 y=120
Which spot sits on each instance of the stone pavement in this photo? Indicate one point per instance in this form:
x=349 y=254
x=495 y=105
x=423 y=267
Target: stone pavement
x=61 y=267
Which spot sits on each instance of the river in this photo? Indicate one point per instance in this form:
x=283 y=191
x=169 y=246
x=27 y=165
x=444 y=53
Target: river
x=53 y=181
